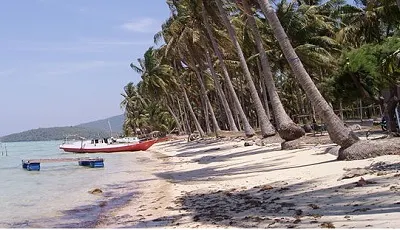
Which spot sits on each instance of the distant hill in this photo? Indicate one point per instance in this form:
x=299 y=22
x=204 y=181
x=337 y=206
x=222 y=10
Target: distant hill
x=92 y=129
x=55 y=133
x=116 y=123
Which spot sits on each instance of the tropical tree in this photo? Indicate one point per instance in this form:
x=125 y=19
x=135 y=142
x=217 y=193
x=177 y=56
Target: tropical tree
x=266 y=127
x=336 y=129
x=249 y=131
x=286 y=128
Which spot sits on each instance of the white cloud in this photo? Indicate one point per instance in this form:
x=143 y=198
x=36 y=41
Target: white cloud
x=144 y=25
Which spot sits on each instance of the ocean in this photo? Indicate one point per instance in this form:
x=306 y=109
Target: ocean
x=58 y=195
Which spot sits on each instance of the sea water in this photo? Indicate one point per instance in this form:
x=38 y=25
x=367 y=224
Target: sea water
x=58 y=195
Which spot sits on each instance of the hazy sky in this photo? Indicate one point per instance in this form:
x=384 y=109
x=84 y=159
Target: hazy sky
x=65 y=62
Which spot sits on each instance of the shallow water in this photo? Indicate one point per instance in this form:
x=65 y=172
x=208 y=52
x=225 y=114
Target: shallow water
x=57 y=195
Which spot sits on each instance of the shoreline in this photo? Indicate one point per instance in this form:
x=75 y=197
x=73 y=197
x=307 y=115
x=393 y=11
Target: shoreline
x=144 y=205
x=219 y=183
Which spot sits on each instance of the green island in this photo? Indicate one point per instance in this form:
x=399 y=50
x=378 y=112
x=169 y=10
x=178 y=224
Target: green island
x=94 y=129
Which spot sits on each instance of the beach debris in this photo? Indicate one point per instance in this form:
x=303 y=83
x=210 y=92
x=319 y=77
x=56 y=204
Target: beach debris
x=363 y=182
x=103 y=203
x=354 y=173
x=283 y=189
x=327 y=225
x=347 y=217
x=298 y=212
x=96 y=191
x=264 y=187
x=382 y=173
x=298 y=220
x=196 y=218
x=313 y=206
x=248 y=143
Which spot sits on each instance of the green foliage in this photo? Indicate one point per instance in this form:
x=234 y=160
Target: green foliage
x=144 y=103
x=374 y=66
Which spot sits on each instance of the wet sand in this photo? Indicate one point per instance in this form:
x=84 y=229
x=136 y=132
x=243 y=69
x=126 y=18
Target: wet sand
x=213 y=184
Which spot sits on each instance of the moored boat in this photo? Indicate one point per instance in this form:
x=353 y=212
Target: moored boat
x=106 y=145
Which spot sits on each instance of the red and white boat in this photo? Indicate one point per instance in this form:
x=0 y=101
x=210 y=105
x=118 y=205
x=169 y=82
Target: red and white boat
x=107 y=145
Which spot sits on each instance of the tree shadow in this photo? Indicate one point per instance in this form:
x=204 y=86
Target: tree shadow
x=217 y=173
x=214 y=157
x=213 y=172
x=182 y=145
x=281 y=205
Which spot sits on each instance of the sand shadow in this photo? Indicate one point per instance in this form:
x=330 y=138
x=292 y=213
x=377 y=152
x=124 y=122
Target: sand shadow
x=280 y=205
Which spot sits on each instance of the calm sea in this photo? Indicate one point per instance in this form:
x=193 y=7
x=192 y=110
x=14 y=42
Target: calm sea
x=58 y=195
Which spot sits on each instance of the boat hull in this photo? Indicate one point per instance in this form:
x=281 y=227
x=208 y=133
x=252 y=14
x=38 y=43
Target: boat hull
x=141 y=146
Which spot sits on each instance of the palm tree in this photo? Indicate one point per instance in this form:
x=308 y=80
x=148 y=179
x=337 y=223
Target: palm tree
x=221 y=93
x=286 y=128
x=336 y=129
x=190 y=108
x=266 y=127
x=247 y=127
x=134 y=105
x=183 y=39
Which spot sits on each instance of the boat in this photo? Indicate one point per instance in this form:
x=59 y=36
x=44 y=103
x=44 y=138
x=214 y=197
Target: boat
x=106 y=145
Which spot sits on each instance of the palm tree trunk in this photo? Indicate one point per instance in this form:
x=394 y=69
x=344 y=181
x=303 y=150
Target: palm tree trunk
x=248 y=130
x=221 y=94
x=208 y=103
x=178 y=123
x=266 y=127
x=286 y=128
x=264 y=92
x=182 y=115
x=191 y=112
x=336 y=129
x=203 y=97
x=187 y=122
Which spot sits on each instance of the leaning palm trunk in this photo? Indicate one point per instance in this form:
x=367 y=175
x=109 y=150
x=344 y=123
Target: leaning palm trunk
x=205 y=110
x=178 y=123
x=191 y=112
x=207 y=101
x=338 y=133
x=221 y=95
x=286 y=128
x=248 y=130
x=182 y=116
x=266 y=127
x=264 y=91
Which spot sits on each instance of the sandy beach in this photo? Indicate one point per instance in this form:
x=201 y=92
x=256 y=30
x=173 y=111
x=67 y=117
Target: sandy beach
x=223 y=183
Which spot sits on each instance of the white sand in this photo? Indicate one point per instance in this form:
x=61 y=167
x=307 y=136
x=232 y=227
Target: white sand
x=301 y=189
